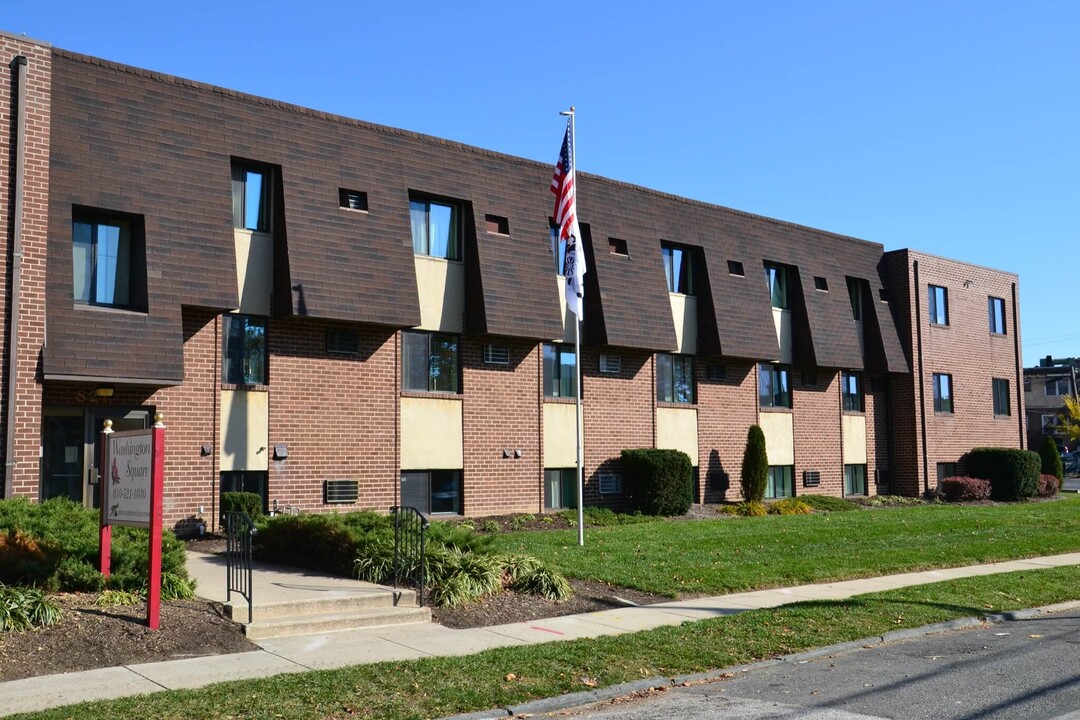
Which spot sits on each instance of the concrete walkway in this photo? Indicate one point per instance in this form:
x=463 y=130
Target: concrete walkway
x=407 y=642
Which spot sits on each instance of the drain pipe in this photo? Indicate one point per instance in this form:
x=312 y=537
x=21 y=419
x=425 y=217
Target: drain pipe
x=18 y=67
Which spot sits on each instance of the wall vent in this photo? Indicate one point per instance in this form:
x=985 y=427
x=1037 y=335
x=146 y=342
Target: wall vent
x=345 y=342
x=341 y=491
x=611 y=364
x=811 y=478
x=496 y=355
x=716 y=372
x=610 y=483
x=352 y=199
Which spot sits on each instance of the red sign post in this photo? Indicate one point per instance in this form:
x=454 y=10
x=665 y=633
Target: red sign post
x=132 y=480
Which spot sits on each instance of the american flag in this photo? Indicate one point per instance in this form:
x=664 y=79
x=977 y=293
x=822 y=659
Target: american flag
x=563 y=187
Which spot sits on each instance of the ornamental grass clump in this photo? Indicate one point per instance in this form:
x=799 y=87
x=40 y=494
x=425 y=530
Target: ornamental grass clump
x=23 y=608
x=790 y=506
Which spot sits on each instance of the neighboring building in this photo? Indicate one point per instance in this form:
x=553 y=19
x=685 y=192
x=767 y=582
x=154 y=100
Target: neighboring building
x=339 y=315
x=1045 y=388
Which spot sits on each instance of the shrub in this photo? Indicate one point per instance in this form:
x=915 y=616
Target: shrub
x=26 y=608
x=319 y=542
x=246 y=502
x=1049 y=485
x=956 y=489
x=745 y=509
x=25 y=560
x=828 y=503
x=490 y=526
x=79 y=576
x=755 y=466
x=790 y=506
x=660 y=481
x=1013 y=474
x=1051 y=459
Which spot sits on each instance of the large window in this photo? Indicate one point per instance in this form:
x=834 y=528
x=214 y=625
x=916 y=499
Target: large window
x=854 y=479
x=943 y=393
x=678 y=269
x=851 y=390
x=854 y=289
x=251 y=198
x=429 y=362
x=101 y=255
x=432 y=492
x=939 y=305
x=243 y=350
x=1001 y=397
x=674 y=378
x=996 y=311
x=774 y=386
x=560 y=489
x=560 y=371
x=435 y=229
x=777 y=277
x=780 y=482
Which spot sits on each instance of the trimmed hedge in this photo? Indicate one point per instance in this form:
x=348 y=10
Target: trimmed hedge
x=755 y=466
x=956 y=489
x=1013 y=474
x=660 y=481
x=247 y=502
x=1051 y=458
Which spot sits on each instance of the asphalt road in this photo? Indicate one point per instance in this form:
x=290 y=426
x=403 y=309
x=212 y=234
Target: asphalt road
x=1071 y=483
x=1025 y=669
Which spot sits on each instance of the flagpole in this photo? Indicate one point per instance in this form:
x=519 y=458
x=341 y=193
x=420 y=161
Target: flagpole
x=579 y=419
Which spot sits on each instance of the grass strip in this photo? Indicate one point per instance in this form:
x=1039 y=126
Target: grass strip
x=437 y=687
x=715 y=557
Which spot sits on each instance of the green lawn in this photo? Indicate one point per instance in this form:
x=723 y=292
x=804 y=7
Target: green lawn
x=714 y=557
x=442 y=686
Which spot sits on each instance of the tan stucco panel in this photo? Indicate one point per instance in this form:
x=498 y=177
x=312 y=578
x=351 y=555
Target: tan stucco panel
x=560 y=436
x=684 y=314
x=782 y=320
x=254 y=270
x=854 y=439
x=431 y=434
x=779 y=432
x=441 y=287
x=245 y=423
x=676 y=429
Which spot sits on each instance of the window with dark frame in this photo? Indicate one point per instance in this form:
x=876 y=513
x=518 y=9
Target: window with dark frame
x=678 y=268
x=243 y=350
x=102 y=255
x=251 y=197
x=943 y=393
x=1001 y=396
x=674 y=378
x=939 y=305
x=854 y=480
x=854 y=288
x=851 y=390
x=430 y=362
x=734 y=267
x=1056 y=386
x=774 y=386
x=432 y=492
x=777 y=278
x=436 y=229
x=821 y=284
x=560 y=371
x=996 y=312
x=780 y=482
x=560 y=489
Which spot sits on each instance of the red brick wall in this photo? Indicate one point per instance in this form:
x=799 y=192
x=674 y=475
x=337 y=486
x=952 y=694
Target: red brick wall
x=817 y=430
x=726 y=410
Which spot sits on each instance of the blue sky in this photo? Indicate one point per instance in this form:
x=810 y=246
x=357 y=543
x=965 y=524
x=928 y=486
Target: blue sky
x=948 y=127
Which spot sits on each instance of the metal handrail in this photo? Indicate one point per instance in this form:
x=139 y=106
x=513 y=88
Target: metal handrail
x=410 y=532
x=239 y=530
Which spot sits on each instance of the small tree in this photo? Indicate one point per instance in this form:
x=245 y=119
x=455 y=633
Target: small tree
x=755 y=466
x=1051 y=460
x=1068 y=422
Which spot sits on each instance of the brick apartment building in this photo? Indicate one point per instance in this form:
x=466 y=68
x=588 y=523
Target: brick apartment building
x=1045 y=388
x=340 y=315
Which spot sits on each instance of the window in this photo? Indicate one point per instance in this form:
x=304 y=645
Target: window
x=854 y=289
x=432 y=492
x=1027 y=383
x=249 y=481
x=101 y=254
x=734 y=267
x=780 y=483
x=243 y=350
x=1057 y=386
x=777 y=279
x=774 y=386
x=854 y=480
x=341 y=341
x=996 y=311
x=943 y=399
x=939 y=305
x=674 y=378
x=352 y=199
x=560 y=489
x=251 y=198
x=945 y=470
x=1048 y=422
x=435 y=229
x=558 y=248
x=1001 y=397
x=560 y=371
x=821 y=284
x=677 y=269
x=852 y=392
x=429 y=362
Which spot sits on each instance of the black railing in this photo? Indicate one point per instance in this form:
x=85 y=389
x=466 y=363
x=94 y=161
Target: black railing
x=410 y=531
x=238 y=532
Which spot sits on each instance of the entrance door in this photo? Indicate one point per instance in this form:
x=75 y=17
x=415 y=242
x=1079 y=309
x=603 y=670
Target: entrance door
x=135 y=419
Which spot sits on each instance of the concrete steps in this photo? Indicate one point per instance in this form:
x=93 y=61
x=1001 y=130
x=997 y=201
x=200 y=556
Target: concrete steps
x=340 y=611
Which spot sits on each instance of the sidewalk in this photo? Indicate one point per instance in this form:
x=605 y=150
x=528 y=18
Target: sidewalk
x=407 y=642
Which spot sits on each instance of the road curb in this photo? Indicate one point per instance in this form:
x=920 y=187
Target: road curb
x=578 y=699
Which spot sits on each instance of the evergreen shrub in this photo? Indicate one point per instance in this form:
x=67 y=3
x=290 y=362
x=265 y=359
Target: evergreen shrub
x=1013 y=474
x=660 y=481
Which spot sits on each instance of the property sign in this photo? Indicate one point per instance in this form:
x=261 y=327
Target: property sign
x=127 y=476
